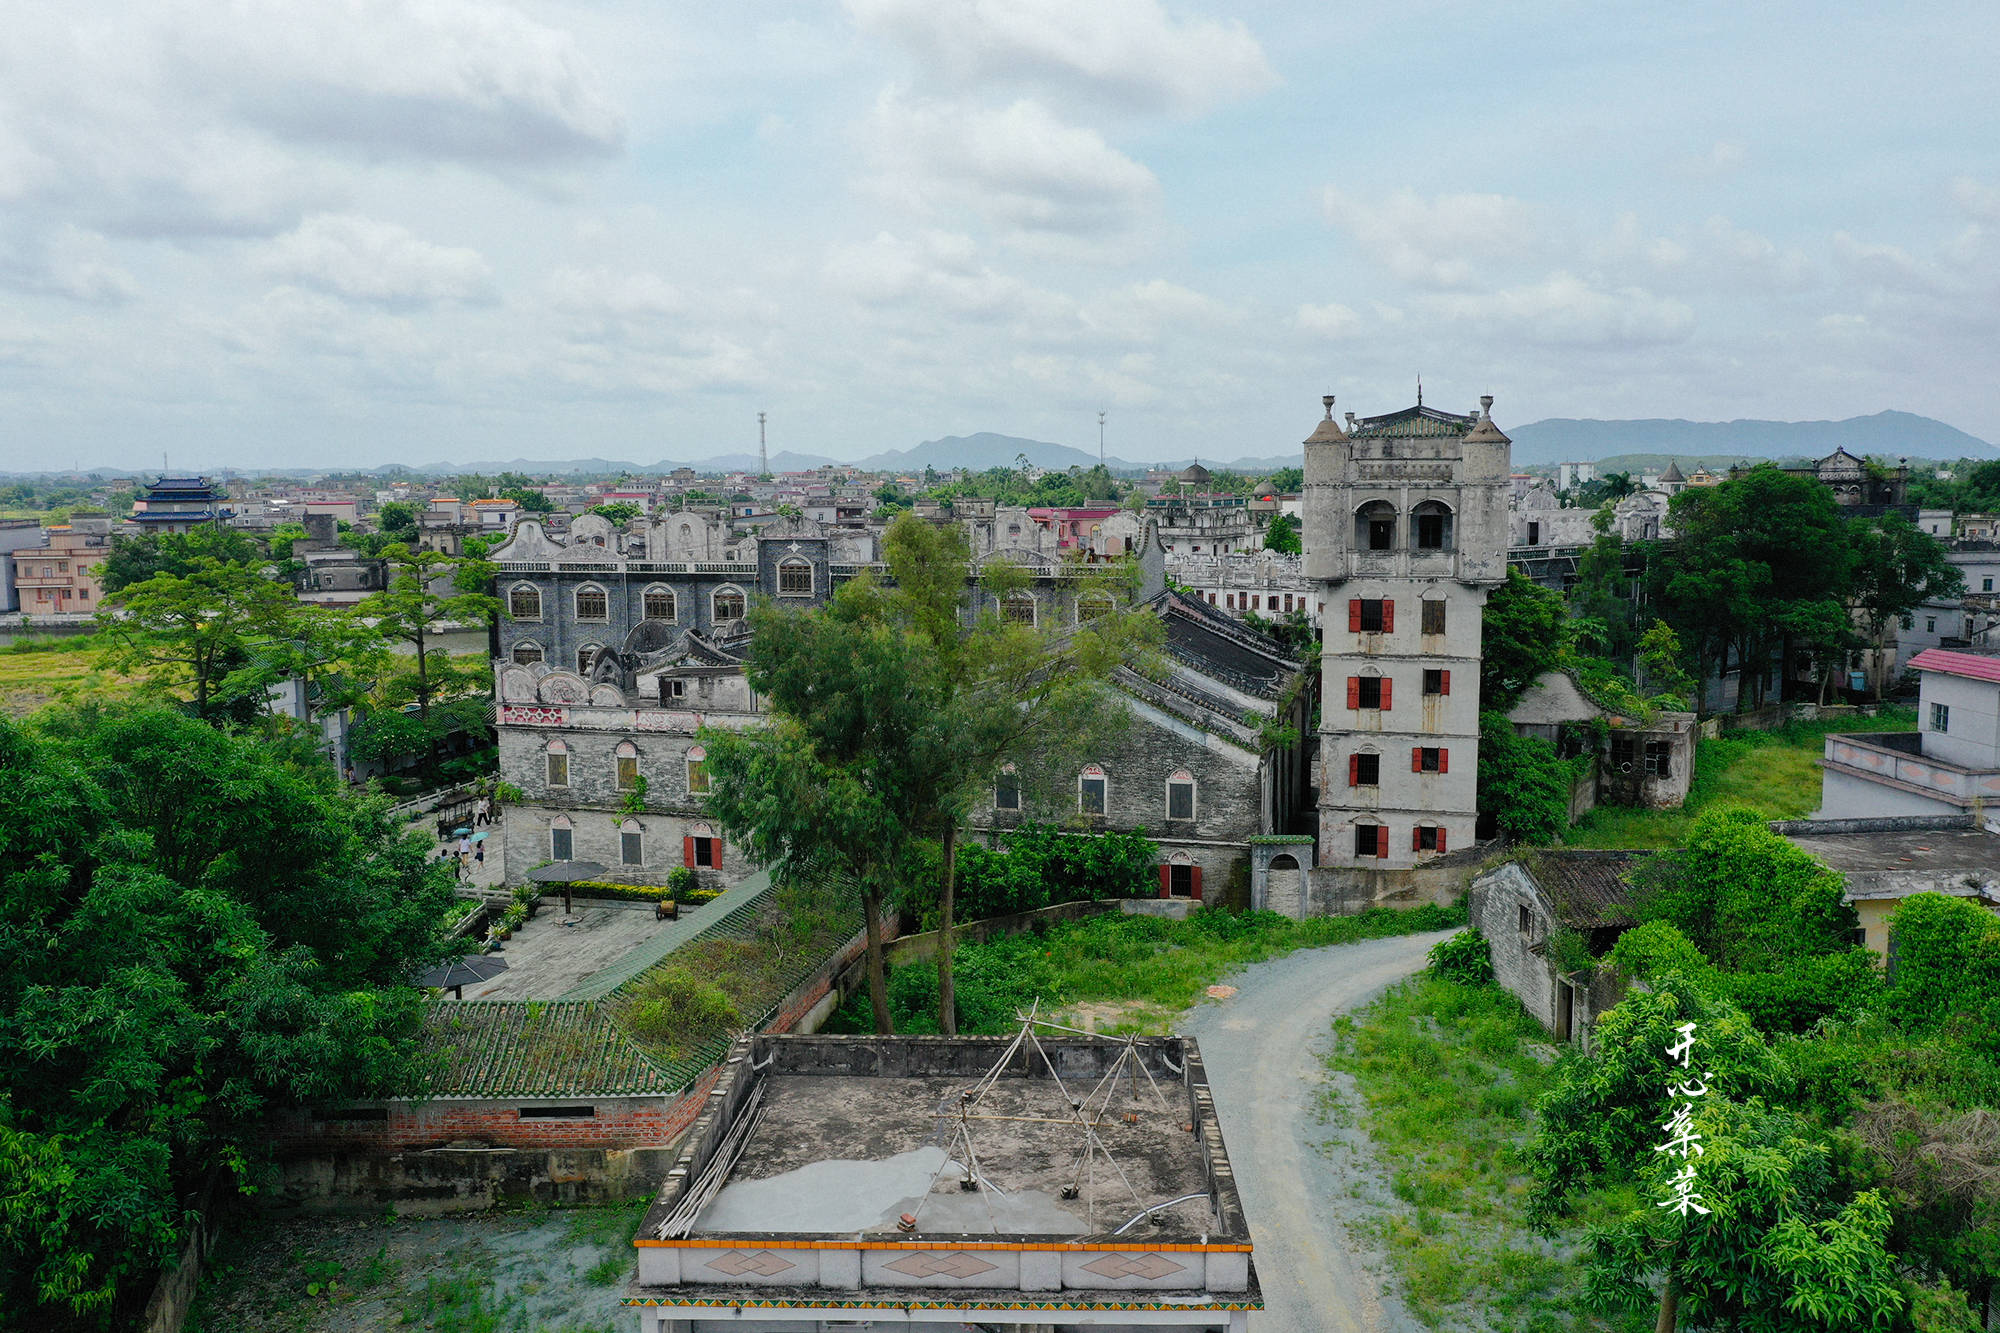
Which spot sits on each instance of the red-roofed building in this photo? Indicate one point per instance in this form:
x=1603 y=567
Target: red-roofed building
x=1949 y=765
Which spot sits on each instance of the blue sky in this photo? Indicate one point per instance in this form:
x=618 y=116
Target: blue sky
x=368 y=231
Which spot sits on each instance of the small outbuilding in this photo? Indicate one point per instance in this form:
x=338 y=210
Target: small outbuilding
x=1541 y=914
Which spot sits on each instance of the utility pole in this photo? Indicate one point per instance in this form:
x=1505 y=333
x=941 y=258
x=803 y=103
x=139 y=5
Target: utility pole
x=763 y=453
x=1100 y=439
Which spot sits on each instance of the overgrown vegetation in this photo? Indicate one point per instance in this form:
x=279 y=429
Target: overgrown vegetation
x=709 y=989
x=199 y=928
x=1036 y=865
x=1776 y=773
x=1148 y=968
x=1446 y=1071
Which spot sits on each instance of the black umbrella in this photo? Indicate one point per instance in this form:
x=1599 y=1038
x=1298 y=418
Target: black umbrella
x=460 y=972
x=566 y=873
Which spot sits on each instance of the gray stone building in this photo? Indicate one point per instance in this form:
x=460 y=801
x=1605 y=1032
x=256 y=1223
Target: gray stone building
x=1201 y=769
x=1405 y=535
x=618 y=646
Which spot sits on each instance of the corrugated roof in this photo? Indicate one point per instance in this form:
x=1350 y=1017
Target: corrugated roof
x=1587 y=889
x=532 y=1048
x=1973 y=666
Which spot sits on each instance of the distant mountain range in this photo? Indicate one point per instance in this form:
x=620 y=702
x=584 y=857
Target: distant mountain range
x=1556 y=440
x=1886 y=435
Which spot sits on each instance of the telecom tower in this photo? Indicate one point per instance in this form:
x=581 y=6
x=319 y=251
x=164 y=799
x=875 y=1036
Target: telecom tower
x=763 y=453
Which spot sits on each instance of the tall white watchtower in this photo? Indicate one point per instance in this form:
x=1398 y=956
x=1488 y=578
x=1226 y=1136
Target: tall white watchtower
x=1405 y=535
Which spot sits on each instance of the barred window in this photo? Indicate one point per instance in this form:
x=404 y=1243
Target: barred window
x=659 y=604
x=592 y=604
x=524 y=602
x=795 y=579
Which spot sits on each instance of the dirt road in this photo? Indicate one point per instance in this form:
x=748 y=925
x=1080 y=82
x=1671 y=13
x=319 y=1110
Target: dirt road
x=1265 y=1049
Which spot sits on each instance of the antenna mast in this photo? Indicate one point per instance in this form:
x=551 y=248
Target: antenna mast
x=1100 y=439
x=763 y=453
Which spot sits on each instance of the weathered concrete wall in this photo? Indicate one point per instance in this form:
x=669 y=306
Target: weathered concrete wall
x=456 y=1180
x=406 y=1126
x=1346 y=890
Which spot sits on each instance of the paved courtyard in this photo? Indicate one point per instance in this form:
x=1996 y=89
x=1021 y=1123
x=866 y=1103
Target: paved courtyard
x=547 y=958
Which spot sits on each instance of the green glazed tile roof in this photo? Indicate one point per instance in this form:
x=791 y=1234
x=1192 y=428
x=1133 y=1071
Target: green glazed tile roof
x=1414 y=423
x=532 y=1048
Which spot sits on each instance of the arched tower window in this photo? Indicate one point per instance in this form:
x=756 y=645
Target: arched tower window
x=659 y=604
x=1430 y=526
x=592 y=604
x=727 y=604
x=795 y=578
x=524 y=602
x=1375 y=526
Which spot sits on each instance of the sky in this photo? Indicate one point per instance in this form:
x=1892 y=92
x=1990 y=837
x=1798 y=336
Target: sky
x=243 y=233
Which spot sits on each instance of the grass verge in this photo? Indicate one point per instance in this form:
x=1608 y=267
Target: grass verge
x=1776 y=773
x=1125 y=973
x=1445 y=1078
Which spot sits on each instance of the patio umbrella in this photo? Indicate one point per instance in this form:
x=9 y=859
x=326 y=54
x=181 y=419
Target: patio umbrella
x=565 y=873
x=460 y=972
x=460 y=832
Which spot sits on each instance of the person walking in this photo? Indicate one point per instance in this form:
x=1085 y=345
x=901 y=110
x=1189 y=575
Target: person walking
x=483 y=811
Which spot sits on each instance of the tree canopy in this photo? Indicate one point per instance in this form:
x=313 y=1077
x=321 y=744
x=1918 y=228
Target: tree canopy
x=135 y=558
x=199 y=928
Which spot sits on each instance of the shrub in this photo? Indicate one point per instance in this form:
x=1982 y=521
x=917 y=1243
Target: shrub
x=645 y=893
x=669 y=1006
x=680 y=880
x=1464 y=958
x=1523 y=783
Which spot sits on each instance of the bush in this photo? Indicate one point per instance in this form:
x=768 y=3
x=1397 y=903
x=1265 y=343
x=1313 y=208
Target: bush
x=668 y=1006
x=680 y=882
x=1523 y=783
x=1040 y=865
x=644 y=893
x=1464 y=958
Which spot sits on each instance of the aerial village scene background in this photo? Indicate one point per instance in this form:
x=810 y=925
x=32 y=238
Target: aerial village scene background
x=999 y=665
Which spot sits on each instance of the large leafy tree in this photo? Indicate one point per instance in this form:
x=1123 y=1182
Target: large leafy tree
x=197 y=929
x=893 y=707
x=428 y=588
x=187 y=633
x=1524 y=633
x=1283 y=535
x=134 y=559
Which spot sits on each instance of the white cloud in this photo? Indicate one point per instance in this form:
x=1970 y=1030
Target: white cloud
x=366 y=260
x=604 y=292
x=1147 y=312
x=1332 y=320
x=937 y=273
x=1127 y=51
x=423 y=78
x=1020 y=167
x=1977 y=199
x=1565 y=311
x=1443 y=242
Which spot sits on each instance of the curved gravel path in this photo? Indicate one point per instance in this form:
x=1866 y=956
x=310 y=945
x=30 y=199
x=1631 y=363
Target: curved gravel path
x=1265 y=1050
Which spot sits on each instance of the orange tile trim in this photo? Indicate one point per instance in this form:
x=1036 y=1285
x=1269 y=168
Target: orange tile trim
x=746 y=1243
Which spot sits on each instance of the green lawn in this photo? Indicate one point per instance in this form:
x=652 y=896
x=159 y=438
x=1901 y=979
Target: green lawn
x=1446 y=1077
x=1120 y=973
x=35 y=672
x=1775 y=773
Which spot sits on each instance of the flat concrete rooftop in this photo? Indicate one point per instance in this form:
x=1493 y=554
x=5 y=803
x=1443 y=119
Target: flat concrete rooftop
x=1929 y=849
x=841 y=1154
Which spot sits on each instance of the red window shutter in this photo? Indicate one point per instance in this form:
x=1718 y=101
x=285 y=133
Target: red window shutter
x=1354 y=770
x=1197 y=883
x=1388 y=616
x=715 y=854
x=1382 y=843
x=1354 y=615
x=1444 y=761
x=1416 y=839
x=1354 y=691
x=687 y=851
x=1440 y=837
x=1385 y=693
x=1416 y=759
x=1444 y=686
x=1166 y=881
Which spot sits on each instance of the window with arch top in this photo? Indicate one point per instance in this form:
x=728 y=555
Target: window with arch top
x=1090 y=790
x=628 y=765
x=658 y=604
x=795 y=578
x=1430 y=526
x=728 y=605
x=1018 y=609
x=558 y=760
x=524 y=602
x=1375 y=526
x=697 y=769
x=592 y=604
x=1180 y=795
x=527 y=654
